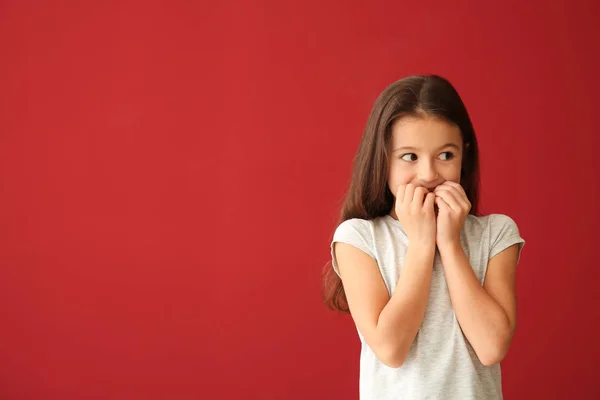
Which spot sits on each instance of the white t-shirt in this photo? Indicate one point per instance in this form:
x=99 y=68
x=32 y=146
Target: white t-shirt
x=440 y=364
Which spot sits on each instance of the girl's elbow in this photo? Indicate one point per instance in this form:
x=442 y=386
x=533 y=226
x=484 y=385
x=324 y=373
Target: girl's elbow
x=494 y=351
x=488 y=361
x=393 y=362
x=493 y=355
x=392 y=357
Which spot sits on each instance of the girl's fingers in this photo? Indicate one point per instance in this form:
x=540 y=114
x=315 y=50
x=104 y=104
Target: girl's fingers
x=417 y=203
x=400 y=193
x=442 y=205
x=409 y=193
x=450 y=199
x=429 y=201
x=458 y=190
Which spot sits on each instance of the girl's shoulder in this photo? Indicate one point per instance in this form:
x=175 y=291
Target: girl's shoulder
x=365 y=229
x=354 y=224
x=497 y=230
x=492 y=222
x=366 y=223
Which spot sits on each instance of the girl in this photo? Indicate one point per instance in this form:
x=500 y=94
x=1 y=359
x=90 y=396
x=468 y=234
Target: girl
x=430 y=285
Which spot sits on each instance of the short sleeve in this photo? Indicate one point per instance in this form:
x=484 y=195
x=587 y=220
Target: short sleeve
x=503 y=234
x=356 y=232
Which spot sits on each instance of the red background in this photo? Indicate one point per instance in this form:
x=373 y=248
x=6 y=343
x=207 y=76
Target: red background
x=171 y=174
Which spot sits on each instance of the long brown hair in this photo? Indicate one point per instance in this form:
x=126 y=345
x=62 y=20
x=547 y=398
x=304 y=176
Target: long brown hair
x=369 y=196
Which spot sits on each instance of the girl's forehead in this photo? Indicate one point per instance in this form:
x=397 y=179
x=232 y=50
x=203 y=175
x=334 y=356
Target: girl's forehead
x=424 y=131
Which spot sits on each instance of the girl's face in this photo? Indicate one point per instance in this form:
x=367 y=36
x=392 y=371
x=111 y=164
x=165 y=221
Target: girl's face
x=425 y=152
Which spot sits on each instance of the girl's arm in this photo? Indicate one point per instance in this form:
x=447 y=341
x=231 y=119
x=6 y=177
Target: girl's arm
x=388 y=324
x=487 y=314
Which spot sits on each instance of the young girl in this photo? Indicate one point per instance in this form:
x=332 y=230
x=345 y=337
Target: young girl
x=429 y=284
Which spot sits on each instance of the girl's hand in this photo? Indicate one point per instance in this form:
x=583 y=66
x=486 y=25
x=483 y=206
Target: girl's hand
x=454 y=206
x=414 y=208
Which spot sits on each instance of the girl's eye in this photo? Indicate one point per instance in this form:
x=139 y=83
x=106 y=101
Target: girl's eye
x=448 y=156
x=409 y=157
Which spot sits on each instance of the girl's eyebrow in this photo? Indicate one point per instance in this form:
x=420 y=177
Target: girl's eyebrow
x=414 y=148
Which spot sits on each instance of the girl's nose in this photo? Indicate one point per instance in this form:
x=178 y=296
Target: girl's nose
x=427 y=172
